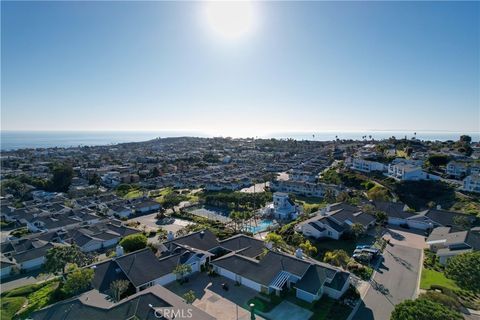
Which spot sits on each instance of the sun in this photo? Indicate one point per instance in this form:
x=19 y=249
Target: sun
x=230 y=20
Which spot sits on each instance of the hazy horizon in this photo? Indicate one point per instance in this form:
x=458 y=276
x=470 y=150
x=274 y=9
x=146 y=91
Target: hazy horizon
x=300 y=67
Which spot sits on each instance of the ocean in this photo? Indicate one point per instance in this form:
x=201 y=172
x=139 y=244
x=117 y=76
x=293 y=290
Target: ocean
x=14 y=140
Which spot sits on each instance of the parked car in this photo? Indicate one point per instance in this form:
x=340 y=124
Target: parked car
x=373 y=251
x=364 y=257
x=364 y=246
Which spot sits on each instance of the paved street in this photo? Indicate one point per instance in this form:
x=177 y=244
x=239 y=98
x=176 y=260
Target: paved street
x=395 y=280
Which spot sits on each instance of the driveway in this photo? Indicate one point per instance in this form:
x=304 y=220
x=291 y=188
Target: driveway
x=396 y=278
x=211 y=298
x=289 y=311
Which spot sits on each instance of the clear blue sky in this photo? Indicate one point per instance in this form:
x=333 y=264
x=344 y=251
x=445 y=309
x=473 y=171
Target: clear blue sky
x=305 y=66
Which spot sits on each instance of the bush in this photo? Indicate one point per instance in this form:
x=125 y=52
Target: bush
x=134 y=242
x=465 y=270
x=423 y=309
x=442 y=298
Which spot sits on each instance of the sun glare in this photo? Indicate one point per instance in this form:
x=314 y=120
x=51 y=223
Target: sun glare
x=230 y=19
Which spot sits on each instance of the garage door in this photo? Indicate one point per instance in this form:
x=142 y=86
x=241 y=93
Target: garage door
x=227 y=274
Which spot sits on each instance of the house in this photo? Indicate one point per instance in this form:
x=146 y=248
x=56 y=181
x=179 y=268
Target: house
x=69 y=220
x=457 y=169
x=399 y=214
x=283 y=207
x=304 y=188
x=6 y=267
x=119 y=209
x=277 y=272
x=155 y=302
x=203 y=240
x=33 y=257
x=447 y=244
x=409 y=172
x=145 y=206
x=141 y=268
x=472 y=183
x=441 y=218
x=363 y=165
x=99 y=236
x=334 y=221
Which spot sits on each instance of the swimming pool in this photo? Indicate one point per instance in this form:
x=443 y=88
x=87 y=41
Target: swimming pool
x=261 y=226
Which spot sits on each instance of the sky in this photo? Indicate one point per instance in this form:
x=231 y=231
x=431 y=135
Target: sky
x=293 y=67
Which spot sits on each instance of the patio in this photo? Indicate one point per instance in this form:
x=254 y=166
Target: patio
x=213 y=299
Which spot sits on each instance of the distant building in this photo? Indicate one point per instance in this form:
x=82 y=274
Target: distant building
x=472 y=183
x=363 y=165
x=409 y=172
x=283 y=207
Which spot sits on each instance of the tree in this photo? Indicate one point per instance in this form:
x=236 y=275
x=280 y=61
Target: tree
x=437 y=160
x=117 y=288
x=308 y=248
x=381 y=217
x=357 y=230
x=155 y=172
x=59 y=257
x=62 y=178
x=134 y=242
x=462 y=221
x=465 y=270
x=182 y=270
x=275 y=239
x=78 y=280
x=465 y=138
x=337 y=258
x=189 y=297
x=378 y=193
x=423 y=309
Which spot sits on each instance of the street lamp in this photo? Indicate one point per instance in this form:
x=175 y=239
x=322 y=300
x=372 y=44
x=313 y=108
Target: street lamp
x=252 y=314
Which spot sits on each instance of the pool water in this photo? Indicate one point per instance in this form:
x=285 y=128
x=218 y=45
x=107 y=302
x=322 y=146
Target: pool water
x=261 y=226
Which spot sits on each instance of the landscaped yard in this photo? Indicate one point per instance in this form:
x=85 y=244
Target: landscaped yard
x=310 y=204
x=324 y=309
x=431 y=277
x=9 y=306
x=27 y=299
x=137 y=193
x=324 y=245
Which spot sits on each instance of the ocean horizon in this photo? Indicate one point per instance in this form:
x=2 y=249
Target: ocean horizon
x=15 y=140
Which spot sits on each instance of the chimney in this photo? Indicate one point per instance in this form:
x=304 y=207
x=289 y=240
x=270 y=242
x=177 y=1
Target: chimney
x=299 y=253
x=439 y=207
x=170 y=236
x=119 y=251
x=202 y=234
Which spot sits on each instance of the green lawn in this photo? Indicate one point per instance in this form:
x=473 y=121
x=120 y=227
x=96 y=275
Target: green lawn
x=37 y=296
x=324 y=309
x=310 y=204
x=134 y=194
x=431 y=277
x=324 y=245
x=9 y=306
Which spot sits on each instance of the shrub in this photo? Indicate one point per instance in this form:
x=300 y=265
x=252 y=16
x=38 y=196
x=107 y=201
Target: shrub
x=465 y=270
x=423 y=309
x=442 y=298
x=134 y=242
